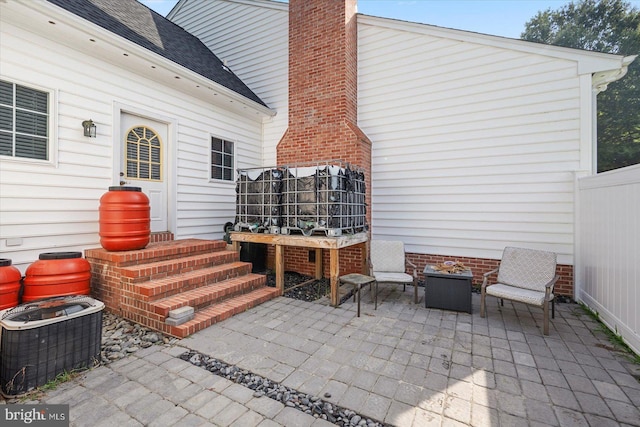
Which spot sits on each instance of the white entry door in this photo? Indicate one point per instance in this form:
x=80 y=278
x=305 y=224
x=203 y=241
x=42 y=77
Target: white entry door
x=143 y=163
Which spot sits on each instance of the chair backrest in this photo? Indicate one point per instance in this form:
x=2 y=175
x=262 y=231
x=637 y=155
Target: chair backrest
x=527 y=268
x=387 y=256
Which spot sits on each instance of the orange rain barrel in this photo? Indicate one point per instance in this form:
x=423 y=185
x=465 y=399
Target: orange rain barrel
x=9 y=284
x=125 y=221
x=57 y=274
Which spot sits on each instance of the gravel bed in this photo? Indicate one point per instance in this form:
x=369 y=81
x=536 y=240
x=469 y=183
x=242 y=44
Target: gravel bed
x=120 y=337
x=312 y=291
x=263 y=387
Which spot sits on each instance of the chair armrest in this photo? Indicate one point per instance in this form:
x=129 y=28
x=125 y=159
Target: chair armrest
x=548 y=288
x=486 y=277
x=552 y=283
x=415 y=273
x=489 y=273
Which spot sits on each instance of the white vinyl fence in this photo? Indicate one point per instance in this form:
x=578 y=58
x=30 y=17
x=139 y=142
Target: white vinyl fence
x=608 y=248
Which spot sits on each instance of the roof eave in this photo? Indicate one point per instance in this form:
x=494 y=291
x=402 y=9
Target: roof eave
x=601 y=79
x=200 y=84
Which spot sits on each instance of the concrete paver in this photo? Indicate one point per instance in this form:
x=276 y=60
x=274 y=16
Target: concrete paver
x=401 y=364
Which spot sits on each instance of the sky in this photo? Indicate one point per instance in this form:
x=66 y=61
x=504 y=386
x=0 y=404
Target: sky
x=504 y=18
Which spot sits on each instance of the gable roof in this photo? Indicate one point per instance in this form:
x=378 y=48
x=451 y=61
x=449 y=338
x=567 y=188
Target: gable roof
x=150 y=30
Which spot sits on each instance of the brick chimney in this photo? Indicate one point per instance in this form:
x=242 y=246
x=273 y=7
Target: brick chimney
x=323 y=85
x=323 y=103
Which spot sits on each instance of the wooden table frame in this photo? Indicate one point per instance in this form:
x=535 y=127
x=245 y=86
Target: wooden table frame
x=333 y=244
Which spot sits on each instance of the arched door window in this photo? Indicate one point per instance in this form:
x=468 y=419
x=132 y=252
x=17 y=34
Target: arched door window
x=144 y=159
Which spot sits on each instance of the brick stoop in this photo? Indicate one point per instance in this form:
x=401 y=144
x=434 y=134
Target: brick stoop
x=145 y=285
x=160 y=236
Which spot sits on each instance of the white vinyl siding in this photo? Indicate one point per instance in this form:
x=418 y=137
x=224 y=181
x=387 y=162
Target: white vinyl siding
x=252 y=39
x=475 y=138
x=45 y=208
x=477 y=144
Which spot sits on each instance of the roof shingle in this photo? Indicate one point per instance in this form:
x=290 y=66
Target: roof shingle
x=141 y=25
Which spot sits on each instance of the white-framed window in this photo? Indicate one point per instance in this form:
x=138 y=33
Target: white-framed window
x=25 y=121
x=222 y=159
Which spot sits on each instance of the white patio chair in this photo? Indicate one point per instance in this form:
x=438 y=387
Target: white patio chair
x=388 y=265
x=524 y=275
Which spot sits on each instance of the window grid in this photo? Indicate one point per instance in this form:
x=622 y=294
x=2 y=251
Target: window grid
x=143 y=154
x=24 y=121
x=222 y=159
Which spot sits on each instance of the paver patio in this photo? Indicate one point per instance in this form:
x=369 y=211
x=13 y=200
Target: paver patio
x=401 y=364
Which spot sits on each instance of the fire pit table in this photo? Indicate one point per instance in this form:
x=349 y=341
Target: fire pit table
x=447 y=291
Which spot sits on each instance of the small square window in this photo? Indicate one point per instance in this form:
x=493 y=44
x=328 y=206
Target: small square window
x=222 y=159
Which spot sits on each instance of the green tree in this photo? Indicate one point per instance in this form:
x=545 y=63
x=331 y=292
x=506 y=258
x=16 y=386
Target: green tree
x=610 y=26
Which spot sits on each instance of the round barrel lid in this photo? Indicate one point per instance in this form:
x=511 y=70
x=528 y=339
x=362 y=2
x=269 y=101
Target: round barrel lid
x=60 y=255
x=124 y=188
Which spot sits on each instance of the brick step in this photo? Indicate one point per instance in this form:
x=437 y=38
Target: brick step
x=159 y=251
x=145 y=285
x=160 y=236
x=223 y=310
x=161 y=269
x=156 y=289
x=204 y=296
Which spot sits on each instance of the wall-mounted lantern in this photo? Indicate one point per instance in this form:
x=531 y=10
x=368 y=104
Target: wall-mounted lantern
x=89 y=128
